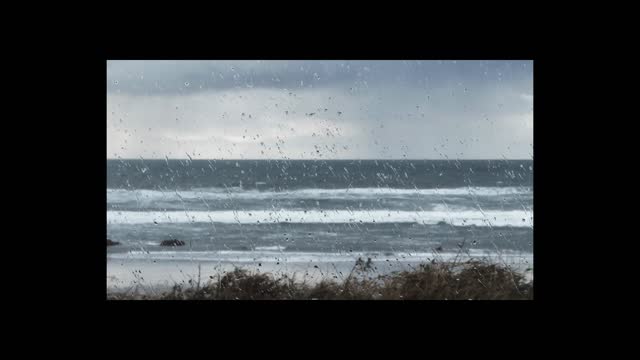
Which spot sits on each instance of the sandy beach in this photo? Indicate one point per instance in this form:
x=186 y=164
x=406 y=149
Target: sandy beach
x=153 y=273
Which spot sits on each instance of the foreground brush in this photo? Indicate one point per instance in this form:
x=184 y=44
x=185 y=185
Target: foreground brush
x=471 y=280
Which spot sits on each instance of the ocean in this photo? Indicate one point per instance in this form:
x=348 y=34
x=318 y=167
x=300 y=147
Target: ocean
x=318 y=210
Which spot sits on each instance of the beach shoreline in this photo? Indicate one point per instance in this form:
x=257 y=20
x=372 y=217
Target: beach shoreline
x=152 y=274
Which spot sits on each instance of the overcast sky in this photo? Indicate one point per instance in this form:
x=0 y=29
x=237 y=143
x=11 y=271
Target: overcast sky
x=320 y=109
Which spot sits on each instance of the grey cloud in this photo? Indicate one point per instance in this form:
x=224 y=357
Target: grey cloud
x=382 y=109
x=185 y=77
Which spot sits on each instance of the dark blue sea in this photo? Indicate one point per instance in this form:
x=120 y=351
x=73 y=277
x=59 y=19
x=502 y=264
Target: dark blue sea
x=249 y=208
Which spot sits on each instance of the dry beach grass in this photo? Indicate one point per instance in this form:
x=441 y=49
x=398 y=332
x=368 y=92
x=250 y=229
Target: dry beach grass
x=469 y=280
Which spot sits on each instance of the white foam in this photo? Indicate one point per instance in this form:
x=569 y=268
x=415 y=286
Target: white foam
x=270 y=248
x=515 y=218
x=146 y=196
x=316 y=257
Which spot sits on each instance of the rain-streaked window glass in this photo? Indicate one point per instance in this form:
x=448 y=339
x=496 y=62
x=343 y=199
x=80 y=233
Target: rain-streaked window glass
x=320 y=180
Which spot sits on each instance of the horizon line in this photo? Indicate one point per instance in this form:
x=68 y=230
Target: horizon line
x=353 y=159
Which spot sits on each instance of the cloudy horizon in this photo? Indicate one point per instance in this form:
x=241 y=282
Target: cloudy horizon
x=320 y=109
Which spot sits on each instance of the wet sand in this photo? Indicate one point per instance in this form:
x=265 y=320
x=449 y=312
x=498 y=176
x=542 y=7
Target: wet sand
x=154 y=275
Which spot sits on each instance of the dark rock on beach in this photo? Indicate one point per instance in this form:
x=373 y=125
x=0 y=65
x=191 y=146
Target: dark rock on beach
x=111 y=242
x=172 y=242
